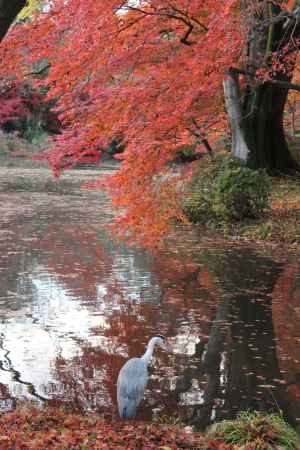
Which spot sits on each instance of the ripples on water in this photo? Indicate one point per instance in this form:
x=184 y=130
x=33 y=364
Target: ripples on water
x=74 y=306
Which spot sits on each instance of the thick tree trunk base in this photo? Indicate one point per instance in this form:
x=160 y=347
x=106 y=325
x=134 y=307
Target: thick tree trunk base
x=264 y=131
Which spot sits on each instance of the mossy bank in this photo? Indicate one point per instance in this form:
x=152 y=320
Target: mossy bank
x=227 y=198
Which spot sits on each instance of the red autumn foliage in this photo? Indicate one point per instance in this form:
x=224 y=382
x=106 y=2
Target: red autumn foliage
x=15 y=102
x=148 y=72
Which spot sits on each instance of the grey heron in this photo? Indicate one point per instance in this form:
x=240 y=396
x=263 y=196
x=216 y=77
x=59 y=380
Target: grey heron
x=133 y=378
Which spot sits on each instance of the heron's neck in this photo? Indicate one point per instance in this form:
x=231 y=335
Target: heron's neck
x=149 y=352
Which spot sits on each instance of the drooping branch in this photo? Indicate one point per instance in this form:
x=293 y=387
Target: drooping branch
x=9 y=9
x=284 y=16
x=184 y=39
x=289 y=18
x=39 y=71
x=201 y=138
x=283 y=84
x=174 y=14
x=192 y=18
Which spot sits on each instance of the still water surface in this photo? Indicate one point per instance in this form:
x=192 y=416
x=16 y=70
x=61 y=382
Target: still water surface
x=74 y=306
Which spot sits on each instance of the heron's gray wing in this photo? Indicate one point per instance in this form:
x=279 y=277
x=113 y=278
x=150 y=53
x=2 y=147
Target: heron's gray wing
x=132 y=379
x=131 y=384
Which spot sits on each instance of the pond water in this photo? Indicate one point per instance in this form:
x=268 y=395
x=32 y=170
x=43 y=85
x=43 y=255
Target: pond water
x=74 y=306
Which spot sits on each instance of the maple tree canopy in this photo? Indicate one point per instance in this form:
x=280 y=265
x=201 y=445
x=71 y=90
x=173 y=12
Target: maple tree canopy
x=147 y=72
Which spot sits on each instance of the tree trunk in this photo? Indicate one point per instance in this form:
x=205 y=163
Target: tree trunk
x=9 y=9
x=258 y=124
x=263 y=129
x=233 y=106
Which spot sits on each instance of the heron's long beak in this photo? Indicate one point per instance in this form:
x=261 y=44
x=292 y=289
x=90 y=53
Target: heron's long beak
x=166 y=346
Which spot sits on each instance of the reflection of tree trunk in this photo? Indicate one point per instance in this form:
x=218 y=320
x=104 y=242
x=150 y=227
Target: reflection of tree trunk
x=250 y=373
x=212 y=362
x=252 y=363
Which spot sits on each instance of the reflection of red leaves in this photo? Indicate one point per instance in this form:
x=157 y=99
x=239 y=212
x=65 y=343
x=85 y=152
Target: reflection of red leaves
x=79 y=261
x=286 y=316
x=53 y=429
x=294 y=392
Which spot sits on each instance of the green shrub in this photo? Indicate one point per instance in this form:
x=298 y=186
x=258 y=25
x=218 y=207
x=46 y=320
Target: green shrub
x=197 y=207
x=240 y=192
x=257 y=431
x=228 y=190
x=186 y=153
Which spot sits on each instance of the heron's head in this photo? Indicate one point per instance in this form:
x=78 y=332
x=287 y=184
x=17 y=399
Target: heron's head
x=161 y=341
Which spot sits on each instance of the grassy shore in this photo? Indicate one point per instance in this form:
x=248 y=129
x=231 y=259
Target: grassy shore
x=281 y=222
